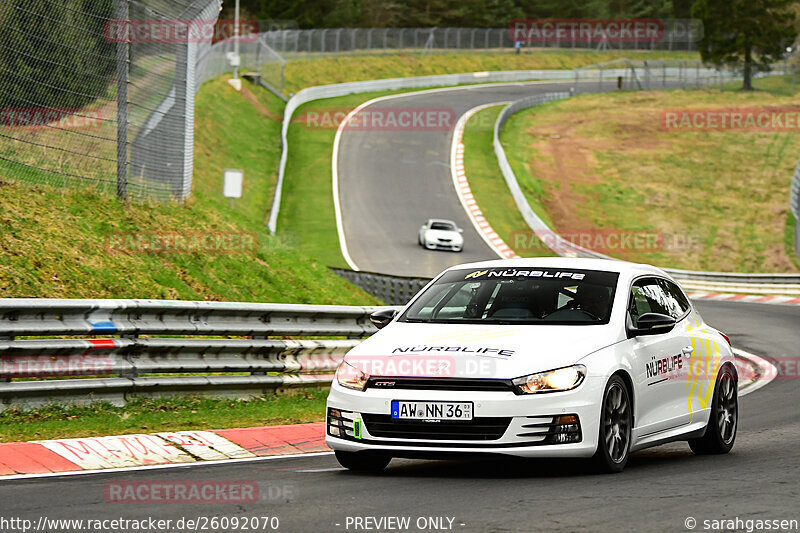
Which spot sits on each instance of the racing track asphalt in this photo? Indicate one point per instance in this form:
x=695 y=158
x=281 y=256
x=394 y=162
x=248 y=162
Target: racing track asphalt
x=660 y=488
x=391 y=182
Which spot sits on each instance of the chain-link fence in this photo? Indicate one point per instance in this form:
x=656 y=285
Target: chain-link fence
x=291 y=43
x=650 y=74
x=102 y=93
x=254 y=55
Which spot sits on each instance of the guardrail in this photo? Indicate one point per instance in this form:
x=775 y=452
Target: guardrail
x=788 y=284
x=539 y=227
x=114 y=369
x=341 y=89
x=393 y=290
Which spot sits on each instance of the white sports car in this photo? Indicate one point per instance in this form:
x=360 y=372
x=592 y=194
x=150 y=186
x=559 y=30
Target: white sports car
x=538 y=357
x=438 y=234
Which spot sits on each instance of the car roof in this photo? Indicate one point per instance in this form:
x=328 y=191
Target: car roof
x=431 y=220
x=609 y=265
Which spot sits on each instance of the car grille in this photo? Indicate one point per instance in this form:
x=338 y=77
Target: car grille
x=476 y=429
x=447 y=384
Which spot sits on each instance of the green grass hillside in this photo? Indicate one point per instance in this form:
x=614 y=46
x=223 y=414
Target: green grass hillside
x=603 y=164
x=58 y=242
x=321 y=70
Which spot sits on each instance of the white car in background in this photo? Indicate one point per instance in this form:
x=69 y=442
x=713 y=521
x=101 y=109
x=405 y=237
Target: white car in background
x=545 y=357
x=438 y=234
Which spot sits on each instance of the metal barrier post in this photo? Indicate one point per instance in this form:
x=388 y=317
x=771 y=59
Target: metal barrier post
x=123 y=74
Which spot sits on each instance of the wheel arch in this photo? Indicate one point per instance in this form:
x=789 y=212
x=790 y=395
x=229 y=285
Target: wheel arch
x=628 y=380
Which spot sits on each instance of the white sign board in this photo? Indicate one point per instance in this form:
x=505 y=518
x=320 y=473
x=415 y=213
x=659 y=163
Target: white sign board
x=232 y=187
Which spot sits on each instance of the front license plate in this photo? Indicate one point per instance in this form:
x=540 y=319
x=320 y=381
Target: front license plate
x=431 y=410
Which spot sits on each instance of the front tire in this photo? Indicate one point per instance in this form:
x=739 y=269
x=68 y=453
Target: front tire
x=616 y=421
x=721 y=429
x=365 y=463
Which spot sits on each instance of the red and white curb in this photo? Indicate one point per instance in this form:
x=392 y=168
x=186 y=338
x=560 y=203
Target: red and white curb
x=748 y=298
x=91 y=454
x=464 y=192
x=759 y=374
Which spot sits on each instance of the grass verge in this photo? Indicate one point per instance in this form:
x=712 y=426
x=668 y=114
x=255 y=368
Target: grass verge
x=490 y=189
x=320 y=70
x=602 y=165
x=307 y=217
x=146 y=415
x=57 y=242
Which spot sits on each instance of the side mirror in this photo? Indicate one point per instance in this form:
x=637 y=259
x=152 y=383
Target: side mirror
x=460 y=230
x=380 y=319
x=652 y=324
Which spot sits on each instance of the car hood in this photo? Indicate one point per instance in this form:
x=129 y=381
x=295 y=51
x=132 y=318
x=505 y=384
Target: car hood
x=442 y=234
x=476 y=351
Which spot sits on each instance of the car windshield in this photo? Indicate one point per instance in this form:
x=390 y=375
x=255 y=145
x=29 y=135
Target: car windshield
x=443 y=226
x=517 y=296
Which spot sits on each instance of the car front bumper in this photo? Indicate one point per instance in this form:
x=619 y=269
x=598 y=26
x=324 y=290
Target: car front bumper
x=531 y=419
x=436 y=245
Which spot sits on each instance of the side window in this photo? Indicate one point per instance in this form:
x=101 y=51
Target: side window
x=648 y=296
x=678 y=303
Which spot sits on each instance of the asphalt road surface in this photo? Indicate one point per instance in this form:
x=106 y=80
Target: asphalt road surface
x=391 y=182
x=661 y=488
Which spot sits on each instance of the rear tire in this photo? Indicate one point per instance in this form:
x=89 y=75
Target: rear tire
x=616 y=421
x=365 y=463
x=722 y=425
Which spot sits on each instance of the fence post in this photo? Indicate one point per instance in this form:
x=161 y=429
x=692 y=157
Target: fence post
x=600 y=78
x=123 y=73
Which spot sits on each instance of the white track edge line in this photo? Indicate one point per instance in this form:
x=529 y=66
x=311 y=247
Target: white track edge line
x=337 y=141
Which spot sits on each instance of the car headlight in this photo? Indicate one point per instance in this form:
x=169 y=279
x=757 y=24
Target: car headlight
x=350 y=377
x=560 y=379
